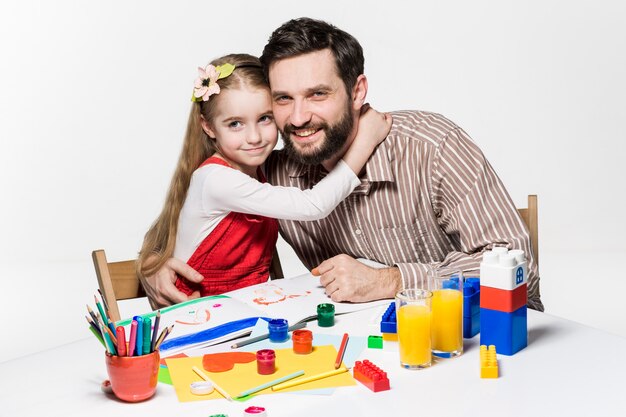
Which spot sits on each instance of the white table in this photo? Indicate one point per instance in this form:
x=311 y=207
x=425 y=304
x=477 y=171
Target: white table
x=566 y=370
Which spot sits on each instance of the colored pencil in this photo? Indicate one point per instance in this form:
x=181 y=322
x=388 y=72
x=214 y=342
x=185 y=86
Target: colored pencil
x=104 y=302
x=106 y=330
x=109 y=342
x=309 y=379
x=271 y=384
x=92 y=314
x=265 y=336
x=93 y=324
x=155 y=331
x=342 y=350
x=105 y=318
x=166 y=332
x=206 y=378
x=98 y=336
x=111 y=326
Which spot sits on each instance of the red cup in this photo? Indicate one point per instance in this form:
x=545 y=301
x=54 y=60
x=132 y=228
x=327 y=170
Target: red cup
x=133 y=378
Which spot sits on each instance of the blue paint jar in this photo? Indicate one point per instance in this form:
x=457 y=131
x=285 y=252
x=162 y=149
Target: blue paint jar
x=278 y=330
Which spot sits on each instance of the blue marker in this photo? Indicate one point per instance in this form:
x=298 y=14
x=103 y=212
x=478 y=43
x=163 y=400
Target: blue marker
x=139 y=340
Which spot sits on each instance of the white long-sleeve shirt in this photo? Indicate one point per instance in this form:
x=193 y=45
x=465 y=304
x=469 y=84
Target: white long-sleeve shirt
x=216 y=190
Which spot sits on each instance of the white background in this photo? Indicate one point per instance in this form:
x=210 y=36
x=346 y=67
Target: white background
x=94 y=98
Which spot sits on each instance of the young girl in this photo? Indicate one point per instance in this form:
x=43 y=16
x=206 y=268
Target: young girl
x=220 y=214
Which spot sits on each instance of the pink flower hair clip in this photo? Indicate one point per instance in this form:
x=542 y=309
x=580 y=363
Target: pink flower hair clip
x=206 y=83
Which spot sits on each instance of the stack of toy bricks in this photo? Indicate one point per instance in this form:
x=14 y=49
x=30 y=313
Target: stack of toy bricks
x=389 y=323
x=503 y=295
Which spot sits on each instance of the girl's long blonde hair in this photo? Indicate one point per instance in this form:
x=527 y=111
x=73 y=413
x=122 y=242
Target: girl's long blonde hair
x=158 y=244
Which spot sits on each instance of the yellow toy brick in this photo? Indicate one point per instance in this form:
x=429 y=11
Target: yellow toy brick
x=488 y=362
x=390 y=337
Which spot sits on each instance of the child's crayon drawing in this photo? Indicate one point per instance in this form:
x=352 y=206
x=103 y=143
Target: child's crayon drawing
x=272 y=294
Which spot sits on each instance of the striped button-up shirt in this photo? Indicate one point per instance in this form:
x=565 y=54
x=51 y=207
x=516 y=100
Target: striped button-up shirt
x=428 y=200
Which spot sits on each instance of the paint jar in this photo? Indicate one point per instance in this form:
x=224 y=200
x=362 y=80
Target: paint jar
x=255 y=411
x=302 y=341
x=266 y=361
x=278 y=330
x=326 y=315
x=133 y=378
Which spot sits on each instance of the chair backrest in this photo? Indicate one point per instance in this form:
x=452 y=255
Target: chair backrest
x=119 y=280
x=530 y=217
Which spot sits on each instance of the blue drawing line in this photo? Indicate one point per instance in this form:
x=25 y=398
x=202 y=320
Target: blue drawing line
x=210 y=334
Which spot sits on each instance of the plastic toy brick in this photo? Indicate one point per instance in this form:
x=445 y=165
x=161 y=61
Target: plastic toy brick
x=471 y=297
x=375 y=342
x=471 y=307
x=388 y=323
x=503 y=269
x=471 y=326
x=371 y=376
x=507 y=331
x=390 y=337
x=488 y=362
x=503 y=300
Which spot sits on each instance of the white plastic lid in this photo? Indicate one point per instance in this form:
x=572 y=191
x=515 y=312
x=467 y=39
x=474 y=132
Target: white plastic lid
x=201 y=388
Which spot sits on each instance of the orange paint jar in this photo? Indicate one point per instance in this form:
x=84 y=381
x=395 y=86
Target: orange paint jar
x=302 y=341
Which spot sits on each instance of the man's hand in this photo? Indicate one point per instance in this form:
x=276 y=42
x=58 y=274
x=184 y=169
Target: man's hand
x=160 y=287
x=347 y=279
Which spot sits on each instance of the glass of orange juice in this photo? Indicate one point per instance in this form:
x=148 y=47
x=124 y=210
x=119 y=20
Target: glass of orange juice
x=413 y=312
x=447 y=313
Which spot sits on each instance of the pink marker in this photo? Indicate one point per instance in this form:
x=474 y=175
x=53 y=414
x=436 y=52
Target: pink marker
x=133 y=338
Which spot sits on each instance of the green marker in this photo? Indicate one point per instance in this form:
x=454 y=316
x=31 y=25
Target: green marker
x=147 y=327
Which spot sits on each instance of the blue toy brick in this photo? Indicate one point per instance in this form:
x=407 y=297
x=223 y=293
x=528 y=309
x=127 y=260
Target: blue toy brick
x=471 y=297
x=471 y=307
x=471 y=326
x=507 y=331
x=388 y=324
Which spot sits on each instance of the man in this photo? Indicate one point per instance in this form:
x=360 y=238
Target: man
x=429 y=199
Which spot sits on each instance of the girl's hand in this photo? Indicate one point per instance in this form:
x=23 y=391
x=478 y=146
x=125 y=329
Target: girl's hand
x=373 y=127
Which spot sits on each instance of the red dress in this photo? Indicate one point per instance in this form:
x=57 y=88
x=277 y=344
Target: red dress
x=236 y=254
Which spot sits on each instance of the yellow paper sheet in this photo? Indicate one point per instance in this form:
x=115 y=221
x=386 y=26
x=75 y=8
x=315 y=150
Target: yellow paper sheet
x=245 y=376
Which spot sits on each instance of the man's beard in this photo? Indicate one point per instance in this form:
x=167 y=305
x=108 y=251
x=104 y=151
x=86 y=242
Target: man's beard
x=335 y=138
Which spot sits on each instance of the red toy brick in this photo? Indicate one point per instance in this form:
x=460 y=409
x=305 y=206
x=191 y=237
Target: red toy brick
x=506 y=301
x=371 y=376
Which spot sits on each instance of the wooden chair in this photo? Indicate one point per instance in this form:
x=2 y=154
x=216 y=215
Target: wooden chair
x=119 y=280
x=530 y=217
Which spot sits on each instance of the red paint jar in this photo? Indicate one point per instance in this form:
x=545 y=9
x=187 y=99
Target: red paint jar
x=302 y=341
x=266 y=361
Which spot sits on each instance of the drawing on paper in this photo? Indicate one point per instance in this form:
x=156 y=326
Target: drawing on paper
x=195 y=314
x=272 y=294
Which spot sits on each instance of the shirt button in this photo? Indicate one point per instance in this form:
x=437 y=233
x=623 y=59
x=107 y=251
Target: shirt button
x=357 y=231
